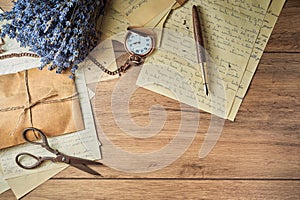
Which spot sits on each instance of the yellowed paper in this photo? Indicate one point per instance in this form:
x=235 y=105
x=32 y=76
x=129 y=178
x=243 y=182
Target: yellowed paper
x=114 y=27
x=105 y=55
x=22 y=185
x=140 y=12
x=159 y=19
x=147 y=11
x=88 y=137
x=121 y=5
x=67 y=144
x=3 y=184
x=158 y=23
x=230 y=30
x=113 y=22
x=260 y=44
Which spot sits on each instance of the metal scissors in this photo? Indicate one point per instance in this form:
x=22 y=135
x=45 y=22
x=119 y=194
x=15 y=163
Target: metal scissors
x=79 y=163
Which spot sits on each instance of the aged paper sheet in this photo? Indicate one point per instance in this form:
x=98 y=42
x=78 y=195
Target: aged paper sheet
x=260 y=44
x=114 y=27
x=22 y=185
x=141 y=12
x=3 y=184
x=230 y=31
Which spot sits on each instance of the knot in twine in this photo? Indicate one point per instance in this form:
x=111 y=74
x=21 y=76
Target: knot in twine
x=28 y=107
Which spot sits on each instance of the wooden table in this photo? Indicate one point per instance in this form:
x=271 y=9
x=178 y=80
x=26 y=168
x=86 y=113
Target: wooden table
x=256 y=157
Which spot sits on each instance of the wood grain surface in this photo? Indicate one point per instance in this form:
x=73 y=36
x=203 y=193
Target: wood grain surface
x=256 y=157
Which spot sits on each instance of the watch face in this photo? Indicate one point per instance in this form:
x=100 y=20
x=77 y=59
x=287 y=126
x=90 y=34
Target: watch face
x=139 y=44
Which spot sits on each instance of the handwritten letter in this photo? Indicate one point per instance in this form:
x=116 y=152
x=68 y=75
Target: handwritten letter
x=230 y=29
x=260 y=44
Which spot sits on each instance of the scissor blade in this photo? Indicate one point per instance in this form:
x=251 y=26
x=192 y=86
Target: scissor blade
x=76 y=160
x=81 y=164
x=85 y=169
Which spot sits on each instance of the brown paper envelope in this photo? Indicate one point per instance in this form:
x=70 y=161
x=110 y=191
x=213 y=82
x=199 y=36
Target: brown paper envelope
x=40 y=99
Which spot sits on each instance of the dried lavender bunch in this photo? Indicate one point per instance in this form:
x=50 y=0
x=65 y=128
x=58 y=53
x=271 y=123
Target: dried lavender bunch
x=61 y=32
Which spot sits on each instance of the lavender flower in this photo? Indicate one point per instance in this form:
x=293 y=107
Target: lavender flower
x=61 y=32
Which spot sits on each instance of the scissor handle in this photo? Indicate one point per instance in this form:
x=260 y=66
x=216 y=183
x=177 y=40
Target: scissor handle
x=44 y=143
x=39 y=160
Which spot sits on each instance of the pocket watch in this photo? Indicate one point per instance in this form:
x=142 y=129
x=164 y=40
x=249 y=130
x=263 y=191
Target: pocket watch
x=139 y=43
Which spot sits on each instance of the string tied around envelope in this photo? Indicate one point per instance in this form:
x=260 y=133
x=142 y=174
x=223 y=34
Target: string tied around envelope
x=47 y=99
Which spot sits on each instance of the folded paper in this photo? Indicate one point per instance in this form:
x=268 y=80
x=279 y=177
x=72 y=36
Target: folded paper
x=32 y=99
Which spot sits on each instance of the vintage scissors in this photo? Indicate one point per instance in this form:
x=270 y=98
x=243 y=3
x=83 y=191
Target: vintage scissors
x=60 y=157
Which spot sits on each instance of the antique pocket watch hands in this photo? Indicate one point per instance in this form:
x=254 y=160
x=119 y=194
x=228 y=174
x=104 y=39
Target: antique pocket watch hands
x=139 y=43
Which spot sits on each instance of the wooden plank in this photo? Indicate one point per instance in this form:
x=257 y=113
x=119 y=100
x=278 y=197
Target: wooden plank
x=286 y=34
x=164 y=189
x=262 y=143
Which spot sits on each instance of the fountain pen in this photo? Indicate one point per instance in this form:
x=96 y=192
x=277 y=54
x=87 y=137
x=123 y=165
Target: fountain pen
x=199 y=46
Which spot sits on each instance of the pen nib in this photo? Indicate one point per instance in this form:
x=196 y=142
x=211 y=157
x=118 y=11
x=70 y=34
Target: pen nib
x=206 y=89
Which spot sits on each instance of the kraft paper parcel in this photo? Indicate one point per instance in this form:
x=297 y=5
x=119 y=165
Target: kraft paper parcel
x=31 y=99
